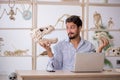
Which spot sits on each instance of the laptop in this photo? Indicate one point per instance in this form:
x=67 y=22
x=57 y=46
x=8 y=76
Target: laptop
x=88 y=62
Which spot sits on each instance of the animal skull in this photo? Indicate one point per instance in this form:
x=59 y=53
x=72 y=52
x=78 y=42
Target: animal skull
x=97 y=19
x=101 y=35
x=38 y=34
x=12 y=76
x=116 y=51
x=113 y=51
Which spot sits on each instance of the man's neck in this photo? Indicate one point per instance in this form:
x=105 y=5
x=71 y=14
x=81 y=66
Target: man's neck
x=75 y=41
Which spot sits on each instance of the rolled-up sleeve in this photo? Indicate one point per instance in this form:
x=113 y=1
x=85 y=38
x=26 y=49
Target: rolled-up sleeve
x=57 y=60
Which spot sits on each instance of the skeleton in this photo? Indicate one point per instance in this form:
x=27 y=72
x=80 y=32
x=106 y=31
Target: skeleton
x=1 y=11
x=1 y=44
x=110 y=23
x=61 y=19
x=11 y=13
x=13 y=76
x=97 y=20
x=15 y=53
x=38 y=34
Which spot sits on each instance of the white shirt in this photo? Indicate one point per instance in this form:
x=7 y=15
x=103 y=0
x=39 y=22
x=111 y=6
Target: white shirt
x=64 y=53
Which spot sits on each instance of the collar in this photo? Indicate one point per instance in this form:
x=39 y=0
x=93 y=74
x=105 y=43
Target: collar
x=80 y=43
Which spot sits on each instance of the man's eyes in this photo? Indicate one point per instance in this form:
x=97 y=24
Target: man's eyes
x=72 y=27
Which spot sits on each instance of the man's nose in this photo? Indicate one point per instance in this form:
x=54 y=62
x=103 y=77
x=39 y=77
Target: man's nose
x=68 y=30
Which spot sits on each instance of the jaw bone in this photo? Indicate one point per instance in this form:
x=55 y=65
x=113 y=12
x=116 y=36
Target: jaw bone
x=38 y=34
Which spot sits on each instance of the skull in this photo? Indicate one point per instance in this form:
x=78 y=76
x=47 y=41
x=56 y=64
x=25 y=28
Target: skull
x=101 y=35
x=12 y=76
x=38 y=34
x=116 y=51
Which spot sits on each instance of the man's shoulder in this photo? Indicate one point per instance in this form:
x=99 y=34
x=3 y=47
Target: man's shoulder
x=61 y=44
x=87 y=42
x=63 y=41
x=88 y=46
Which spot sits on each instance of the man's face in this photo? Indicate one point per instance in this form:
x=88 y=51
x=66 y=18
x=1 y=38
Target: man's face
x=72 y=30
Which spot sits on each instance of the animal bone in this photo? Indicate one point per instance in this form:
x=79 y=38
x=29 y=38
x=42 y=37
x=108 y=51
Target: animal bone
x=44 y=53
x=13 y=76
x=38 y=34
x=15 y=53
x=103 y=35
x=113 y=51
x=99 y=35
x=61 y=20
x=97 y=20
x=11 y=12
x=20 y=52
x=110 y=23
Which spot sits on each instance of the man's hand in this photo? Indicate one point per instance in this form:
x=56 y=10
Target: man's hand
x=103 y=43
x=46 y=45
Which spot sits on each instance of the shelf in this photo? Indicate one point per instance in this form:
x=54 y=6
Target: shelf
x=41 y=56
x=103 y=4
x=15 y=28
x=102 y=30
x=18 y=56
x=17 y=2
x=72 y=3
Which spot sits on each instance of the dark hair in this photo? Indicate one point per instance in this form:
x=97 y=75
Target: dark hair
x=75 y=19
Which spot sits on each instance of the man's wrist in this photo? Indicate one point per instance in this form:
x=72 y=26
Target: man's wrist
x=50 y=54
x=99 y=50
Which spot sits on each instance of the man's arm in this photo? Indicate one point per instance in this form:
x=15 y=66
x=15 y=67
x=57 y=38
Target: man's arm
x=55 y=61
x=46 y=45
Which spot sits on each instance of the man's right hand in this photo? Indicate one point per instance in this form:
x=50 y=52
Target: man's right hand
x=46 y=45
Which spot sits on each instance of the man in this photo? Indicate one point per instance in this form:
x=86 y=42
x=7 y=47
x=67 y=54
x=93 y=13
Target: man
x=64 y=51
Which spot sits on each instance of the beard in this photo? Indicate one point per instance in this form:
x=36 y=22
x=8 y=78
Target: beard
x=72 y=35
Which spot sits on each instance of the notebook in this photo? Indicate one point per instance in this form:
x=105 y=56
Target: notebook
x=88 y=62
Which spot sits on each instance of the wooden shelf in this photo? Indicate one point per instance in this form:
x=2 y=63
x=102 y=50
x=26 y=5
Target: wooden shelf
x=17 y=2
x=72 y=3
x=41 y=56
x=104 y=29
x=15 y=28
x=101 y=30
x=18 y=56
x=103 y=4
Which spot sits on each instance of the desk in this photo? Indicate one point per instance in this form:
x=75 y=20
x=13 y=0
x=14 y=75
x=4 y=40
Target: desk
x=66 y=75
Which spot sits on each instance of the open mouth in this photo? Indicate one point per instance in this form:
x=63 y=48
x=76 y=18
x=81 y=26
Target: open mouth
x=41 y=34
